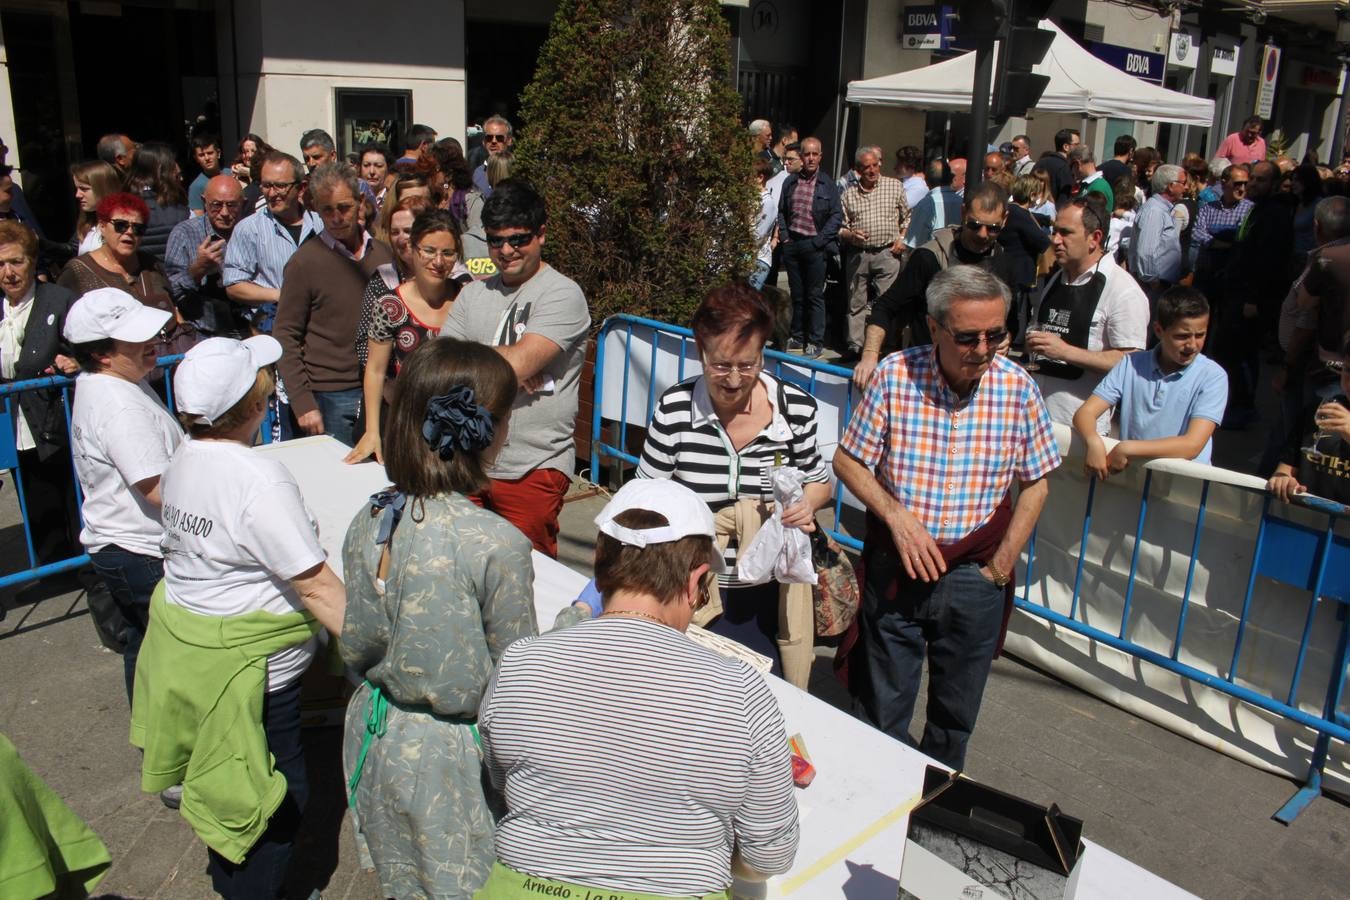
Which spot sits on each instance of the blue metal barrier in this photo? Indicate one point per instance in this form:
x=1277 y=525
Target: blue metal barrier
x=1316 y=560
x=9 y=459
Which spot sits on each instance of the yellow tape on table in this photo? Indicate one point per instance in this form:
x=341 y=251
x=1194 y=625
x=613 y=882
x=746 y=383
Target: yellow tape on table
x=801 y=878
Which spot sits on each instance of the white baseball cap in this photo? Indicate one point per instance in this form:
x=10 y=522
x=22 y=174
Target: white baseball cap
x=685 y=513
x=218 y=372
x=112 y=313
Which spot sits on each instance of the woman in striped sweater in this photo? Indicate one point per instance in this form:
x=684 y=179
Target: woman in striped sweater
x=720 y=433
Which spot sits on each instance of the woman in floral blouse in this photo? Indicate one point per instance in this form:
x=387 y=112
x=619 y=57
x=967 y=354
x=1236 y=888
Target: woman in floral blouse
x=407 y=316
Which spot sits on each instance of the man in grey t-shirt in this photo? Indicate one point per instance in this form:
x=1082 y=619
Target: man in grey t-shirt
x=538 y=320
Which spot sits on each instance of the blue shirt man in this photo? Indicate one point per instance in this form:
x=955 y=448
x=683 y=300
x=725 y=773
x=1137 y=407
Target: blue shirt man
x=1171 y=398
x=1155 y=251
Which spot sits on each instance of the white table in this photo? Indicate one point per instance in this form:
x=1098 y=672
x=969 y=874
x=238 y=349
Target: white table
x=854 y=815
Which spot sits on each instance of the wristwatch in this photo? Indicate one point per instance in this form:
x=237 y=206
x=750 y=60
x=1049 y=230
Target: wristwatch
x=1000 y=580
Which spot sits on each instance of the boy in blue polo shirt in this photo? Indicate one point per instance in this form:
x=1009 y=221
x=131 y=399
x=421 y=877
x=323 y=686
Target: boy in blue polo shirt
x=1171 y=398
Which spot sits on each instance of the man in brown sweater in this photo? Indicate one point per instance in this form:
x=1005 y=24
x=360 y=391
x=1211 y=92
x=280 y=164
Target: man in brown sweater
x=320 y=306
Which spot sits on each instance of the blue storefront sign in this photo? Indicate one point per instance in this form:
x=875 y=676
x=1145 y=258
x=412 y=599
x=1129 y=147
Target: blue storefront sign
x=923 y=27
x=1139 y=63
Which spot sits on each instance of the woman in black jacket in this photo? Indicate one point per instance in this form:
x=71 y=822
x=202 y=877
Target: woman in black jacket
x=156 y=178
x=30 y=347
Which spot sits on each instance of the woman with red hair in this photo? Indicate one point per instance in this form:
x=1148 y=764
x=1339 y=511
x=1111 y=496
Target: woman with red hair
x=719 y=434
x=120 y=263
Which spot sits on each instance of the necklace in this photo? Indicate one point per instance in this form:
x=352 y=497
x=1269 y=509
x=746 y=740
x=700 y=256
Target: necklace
x=634 y=612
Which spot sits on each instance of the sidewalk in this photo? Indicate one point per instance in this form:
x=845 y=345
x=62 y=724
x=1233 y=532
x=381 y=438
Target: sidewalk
x=1192 y=815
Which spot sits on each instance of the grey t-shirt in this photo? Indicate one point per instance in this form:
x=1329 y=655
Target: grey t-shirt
x=550 y=305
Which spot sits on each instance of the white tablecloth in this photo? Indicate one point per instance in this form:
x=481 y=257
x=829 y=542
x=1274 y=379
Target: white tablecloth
x=854 y=815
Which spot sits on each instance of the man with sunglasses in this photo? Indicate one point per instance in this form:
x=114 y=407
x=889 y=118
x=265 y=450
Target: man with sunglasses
x=1091 y=314
x=934 y=459
x=1216 y=226
x=195 y=256
x=498 y=138
x=897 y=319
x=537 y=319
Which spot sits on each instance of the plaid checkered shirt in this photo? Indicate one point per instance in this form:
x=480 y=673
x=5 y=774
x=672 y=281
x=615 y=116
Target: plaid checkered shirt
x=948 y=460
x=803 y=195
x=881 y=213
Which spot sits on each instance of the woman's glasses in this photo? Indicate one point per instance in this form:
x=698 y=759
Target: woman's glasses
x=122 y=226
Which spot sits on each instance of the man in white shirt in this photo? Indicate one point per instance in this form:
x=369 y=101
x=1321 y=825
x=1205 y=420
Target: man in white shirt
x=1091 y=314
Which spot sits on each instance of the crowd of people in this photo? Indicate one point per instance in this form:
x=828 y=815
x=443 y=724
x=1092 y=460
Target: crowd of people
x=1087 y=251
x=333 y=297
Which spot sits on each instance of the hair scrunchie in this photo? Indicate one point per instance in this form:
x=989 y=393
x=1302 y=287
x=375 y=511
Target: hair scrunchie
x=456 y=421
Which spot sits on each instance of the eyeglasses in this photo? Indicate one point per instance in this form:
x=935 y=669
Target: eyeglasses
x=430 y=254
x=972 y=225
x=1238 y=185
x=972 y=338
x=122 y=225
x=722 y=369
x=494 y=139
x=218 y=205
x=278 y=185
x=517 y=241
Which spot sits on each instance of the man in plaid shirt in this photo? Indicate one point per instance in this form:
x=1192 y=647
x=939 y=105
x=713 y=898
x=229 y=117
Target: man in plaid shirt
x=876 y=215
x=933 y=450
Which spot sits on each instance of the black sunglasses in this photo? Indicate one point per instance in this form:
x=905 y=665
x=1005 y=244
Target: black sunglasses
x=515 y=240
x=994 y=338
x=972 y=225
x=121 y=226
x=494 y=138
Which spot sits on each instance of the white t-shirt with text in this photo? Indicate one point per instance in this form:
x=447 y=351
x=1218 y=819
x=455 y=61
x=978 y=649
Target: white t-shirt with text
x=122 y=434
x=236 y=531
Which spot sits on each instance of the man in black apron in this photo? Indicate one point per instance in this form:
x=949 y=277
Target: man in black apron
x=1091 y=314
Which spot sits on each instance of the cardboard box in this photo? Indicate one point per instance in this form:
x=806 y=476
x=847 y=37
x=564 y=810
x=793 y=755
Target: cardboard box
x=968 y=841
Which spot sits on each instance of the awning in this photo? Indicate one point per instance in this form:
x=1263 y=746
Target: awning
x=1080 y=84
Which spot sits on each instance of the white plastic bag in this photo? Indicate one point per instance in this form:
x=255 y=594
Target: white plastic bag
x=777 y=551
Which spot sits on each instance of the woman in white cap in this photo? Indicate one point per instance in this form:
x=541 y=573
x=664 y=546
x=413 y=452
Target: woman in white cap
x=436 y=589
x=246 y=589
x=122 y=439
x=631 y=759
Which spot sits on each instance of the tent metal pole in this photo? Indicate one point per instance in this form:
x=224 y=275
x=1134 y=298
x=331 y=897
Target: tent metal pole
x=839 y=145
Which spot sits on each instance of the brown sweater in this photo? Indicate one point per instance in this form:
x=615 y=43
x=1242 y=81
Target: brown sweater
x=316 y=320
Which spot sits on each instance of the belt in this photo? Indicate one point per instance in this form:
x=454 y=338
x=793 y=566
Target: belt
x=377 y=710
x=798 y=236
x=877 y=249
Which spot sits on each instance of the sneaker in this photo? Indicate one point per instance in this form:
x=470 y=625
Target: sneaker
x=172 y=797
x=811 y=351
x=794 y=345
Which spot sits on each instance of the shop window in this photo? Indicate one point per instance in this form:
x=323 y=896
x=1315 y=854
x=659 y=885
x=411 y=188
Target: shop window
x=367 y=116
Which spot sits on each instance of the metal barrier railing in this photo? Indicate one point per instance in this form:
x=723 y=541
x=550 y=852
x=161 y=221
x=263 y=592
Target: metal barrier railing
x=10 y=459
x=805 y=373
x=1313 y=559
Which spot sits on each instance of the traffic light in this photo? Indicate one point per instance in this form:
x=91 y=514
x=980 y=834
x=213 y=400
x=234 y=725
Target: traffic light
x=1022 y=45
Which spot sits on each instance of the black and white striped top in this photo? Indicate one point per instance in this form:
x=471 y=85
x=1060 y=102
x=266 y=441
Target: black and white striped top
x=686 y=443
x=633 y=759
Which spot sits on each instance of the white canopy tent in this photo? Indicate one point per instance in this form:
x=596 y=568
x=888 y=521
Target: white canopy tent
x=1080 y=84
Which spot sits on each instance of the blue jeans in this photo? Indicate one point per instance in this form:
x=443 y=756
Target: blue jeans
x=262 y=874
x=341 y=411
x=130 y=579
x=760 y=275
x=956 y=620
x=805 y=267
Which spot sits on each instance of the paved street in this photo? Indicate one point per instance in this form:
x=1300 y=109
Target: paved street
x=1194 y=816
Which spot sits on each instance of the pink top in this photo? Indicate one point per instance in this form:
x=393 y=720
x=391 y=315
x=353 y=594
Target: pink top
x=1236 y=152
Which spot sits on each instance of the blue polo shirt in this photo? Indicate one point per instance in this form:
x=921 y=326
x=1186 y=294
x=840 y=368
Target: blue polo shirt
x=1155 y=405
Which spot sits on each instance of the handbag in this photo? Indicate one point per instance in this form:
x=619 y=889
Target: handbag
x=836 y=596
